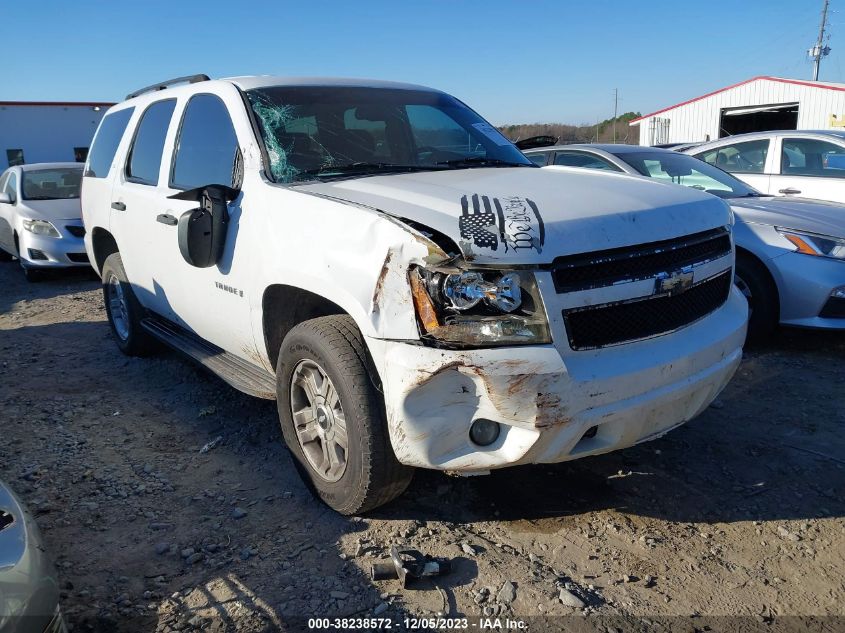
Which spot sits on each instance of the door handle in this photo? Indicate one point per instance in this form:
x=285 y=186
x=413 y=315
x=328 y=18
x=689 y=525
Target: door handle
x=118 y=206
x=166 y=218
x=789 y=190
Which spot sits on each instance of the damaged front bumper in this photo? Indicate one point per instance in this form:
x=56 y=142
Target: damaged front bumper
x=553 y=404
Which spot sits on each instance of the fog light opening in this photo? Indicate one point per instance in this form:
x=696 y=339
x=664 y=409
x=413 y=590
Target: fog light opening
x=484 y=432
x=591 y=432
x=35 y=254
x=838 y=293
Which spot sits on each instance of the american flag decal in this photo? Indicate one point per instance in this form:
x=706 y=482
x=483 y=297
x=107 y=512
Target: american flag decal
x=513 y=221
x=479 y=225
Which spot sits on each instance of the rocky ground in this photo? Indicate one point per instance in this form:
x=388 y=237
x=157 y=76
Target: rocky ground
x=169 y=503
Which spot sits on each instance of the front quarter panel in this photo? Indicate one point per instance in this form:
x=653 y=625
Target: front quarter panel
x=351 y=255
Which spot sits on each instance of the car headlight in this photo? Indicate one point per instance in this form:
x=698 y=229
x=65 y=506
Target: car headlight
x=479 y=308
x=41 y=227
x=815 y=244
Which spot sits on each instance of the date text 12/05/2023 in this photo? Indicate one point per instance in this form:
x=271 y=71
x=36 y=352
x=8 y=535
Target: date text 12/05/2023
x=411 y=623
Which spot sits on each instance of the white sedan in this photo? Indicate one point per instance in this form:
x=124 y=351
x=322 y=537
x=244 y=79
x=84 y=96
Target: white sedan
x=800 y=163
x=41 y=218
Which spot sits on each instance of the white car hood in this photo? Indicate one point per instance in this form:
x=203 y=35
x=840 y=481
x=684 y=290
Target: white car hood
x=530 y=216
x=803 y=214
x=65 y=209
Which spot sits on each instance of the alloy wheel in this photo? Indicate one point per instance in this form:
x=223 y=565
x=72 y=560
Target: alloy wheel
x=319 y=420
x=117 y=308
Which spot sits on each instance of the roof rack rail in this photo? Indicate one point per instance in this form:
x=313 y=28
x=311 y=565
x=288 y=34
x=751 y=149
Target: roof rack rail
x=189 y=79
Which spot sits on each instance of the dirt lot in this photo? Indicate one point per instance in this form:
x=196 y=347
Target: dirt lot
x=739 y=513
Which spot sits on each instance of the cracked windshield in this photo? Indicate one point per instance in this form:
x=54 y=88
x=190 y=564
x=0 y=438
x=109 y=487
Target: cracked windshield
x=315 y=133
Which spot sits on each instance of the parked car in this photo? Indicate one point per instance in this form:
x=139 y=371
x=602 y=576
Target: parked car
x=678 y=147
x=40 y=217
x=409 y=287
x=805 y=163
x=683 y=147
x=790 y=260
x=29 y=589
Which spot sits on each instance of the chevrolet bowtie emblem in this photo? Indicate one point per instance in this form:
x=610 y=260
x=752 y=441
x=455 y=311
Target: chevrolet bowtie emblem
x=674 y=283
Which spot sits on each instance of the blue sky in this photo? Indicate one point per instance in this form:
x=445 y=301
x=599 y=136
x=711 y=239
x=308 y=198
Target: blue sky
x=514 y=62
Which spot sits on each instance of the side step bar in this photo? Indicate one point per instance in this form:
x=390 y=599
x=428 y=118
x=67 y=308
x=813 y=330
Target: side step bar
x=242 y=375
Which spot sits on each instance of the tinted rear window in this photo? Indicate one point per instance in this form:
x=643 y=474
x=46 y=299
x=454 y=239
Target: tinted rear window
x=106 y=141
x=145 y=156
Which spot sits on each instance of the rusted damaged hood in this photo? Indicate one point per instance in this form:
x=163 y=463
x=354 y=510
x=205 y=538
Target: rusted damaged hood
x=525 y=215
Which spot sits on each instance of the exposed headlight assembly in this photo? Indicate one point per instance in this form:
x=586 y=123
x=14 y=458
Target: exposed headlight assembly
x=41 y=227
x=479 y=308
x=815 y=244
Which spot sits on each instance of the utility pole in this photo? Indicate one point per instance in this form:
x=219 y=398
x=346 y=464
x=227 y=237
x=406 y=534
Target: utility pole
x=819 y=50
x=616 y=106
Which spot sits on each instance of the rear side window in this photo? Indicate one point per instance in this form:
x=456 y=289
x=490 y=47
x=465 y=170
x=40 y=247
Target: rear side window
x=537 y=159
x=207 y=145
x=811 y=157
x=106 y=141
x=748 y=157
x=145 y=156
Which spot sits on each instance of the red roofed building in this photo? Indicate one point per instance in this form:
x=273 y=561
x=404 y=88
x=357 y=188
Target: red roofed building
x=754 y=105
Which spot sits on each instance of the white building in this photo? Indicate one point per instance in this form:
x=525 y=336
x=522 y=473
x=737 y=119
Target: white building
x=39 y=132
x=758 y=104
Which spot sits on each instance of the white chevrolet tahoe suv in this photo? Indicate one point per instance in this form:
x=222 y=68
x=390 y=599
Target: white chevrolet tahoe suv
x=410 y=288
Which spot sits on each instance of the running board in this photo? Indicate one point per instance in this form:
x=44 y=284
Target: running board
x=242 y=375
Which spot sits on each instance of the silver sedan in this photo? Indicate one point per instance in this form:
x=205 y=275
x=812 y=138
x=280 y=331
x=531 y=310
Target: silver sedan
x=29 y=591
x=790 y=251
x=40 y=217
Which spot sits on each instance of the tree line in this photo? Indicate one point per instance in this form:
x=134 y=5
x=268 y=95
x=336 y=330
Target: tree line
x=598 y=133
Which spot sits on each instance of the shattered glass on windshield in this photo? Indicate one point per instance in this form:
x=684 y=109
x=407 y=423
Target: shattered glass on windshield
x=274 y=119
x=317 y=132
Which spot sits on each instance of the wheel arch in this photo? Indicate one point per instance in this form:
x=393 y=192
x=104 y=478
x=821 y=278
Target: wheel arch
x=283 y=307
x=103 y=244
x=760 y=264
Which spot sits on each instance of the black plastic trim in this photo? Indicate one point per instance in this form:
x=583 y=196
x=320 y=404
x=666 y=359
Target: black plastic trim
x=833 y=309
x=561 y=267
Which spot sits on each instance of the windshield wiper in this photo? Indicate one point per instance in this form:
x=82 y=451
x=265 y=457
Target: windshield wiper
x=482 y=161
x=365 y=168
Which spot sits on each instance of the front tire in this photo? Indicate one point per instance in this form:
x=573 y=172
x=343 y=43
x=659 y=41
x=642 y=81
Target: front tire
x=756 y=285
x=333 y=419
x=124 y=311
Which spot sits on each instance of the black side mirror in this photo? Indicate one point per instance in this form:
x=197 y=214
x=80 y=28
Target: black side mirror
x=202 y=231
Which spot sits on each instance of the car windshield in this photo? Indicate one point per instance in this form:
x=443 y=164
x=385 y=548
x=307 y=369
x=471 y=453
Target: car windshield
x=59 y=183
x=320 y=132
x=685 y=170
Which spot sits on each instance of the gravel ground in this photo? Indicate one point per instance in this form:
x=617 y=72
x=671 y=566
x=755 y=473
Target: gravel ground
x=739 y=513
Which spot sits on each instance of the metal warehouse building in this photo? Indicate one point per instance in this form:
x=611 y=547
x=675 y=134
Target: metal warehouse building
x=758 y=104
x=39 y=132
